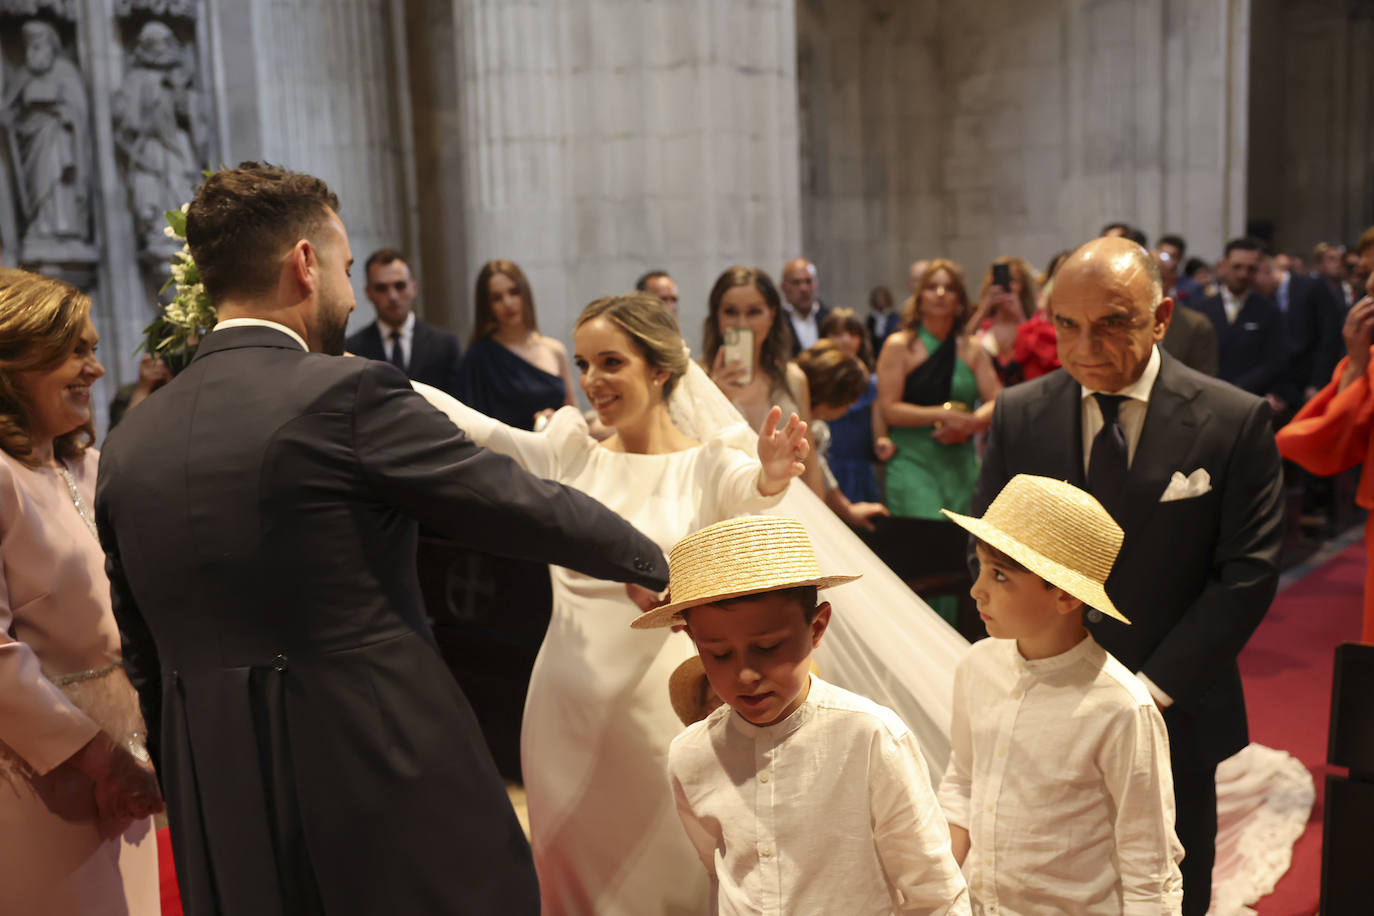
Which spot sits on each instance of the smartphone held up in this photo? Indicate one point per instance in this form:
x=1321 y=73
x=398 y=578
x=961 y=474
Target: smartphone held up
x=738 y=347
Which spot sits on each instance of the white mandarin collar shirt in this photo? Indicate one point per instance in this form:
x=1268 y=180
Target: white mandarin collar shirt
x=1059 y=770
x=407 y=337
x=829 y=811
x=808 y=329
x=260 y=323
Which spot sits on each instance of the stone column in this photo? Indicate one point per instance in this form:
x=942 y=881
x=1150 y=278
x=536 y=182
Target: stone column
x=604 y=138
x=958 y=129
x=318 y=86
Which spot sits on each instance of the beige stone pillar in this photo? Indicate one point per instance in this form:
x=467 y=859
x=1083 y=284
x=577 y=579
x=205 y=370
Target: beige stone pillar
x=601 y=139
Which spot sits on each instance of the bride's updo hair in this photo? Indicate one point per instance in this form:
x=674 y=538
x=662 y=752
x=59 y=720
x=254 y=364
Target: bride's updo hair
x=650 y=325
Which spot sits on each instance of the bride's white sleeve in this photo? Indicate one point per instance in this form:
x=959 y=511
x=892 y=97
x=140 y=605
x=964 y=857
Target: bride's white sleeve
x=535 y=452
x=732 y=475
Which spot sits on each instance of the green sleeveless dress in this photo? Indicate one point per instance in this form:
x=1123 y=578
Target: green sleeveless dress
x=926 y=475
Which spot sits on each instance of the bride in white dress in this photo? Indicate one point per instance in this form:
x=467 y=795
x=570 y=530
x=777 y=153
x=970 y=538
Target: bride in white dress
x=597 y=724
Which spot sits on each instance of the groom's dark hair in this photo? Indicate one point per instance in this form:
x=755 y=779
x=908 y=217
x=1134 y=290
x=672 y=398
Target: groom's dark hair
x=242 y=221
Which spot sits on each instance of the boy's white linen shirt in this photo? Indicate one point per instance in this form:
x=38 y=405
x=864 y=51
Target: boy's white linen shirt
x=829 y=811
x=1059 y=770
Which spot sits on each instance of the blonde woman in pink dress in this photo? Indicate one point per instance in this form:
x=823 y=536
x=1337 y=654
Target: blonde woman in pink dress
x=76 y=789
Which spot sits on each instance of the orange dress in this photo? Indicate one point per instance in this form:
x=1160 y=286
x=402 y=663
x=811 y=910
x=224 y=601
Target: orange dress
x=1332 y=433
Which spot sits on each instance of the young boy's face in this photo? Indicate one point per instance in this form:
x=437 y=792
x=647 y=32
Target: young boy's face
x=1013 y=603
x=757 y=653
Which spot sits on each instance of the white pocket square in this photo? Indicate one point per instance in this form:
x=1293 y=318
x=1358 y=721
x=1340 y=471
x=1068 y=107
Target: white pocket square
x=1180 y=487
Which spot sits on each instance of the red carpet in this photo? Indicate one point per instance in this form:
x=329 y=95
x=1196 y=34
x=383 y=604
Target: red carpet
x=1287 y=672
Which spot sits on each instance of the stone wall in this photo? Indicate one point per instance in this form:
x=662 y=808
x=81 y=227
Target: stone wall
x=321 y=86
x=604 y=138
x=972 y=129
x=1312 y=137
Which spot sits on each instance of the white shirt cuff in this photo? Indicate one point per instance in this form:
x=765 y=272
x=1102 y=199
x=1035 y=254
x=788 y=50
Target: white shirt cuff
x=1162 y=699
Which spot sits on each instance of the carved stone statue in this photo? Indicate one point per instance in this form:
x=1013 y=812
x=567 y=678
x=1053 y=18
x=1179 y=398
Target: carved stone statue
x=157 y=124
x=47 y=128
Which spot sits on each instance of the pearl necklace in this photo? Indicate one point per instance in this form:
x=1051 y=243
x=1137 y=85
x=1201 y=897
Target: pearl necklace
x=77 y=499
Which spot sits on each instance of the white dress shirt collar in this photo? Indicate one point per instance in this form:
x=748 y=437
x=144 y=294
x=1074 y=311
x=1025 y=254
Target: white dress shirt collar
x=807 y=327
x=406 y=340
x=259 y=323
x=1139 y=390
x=407 y=327
x=1231 y=304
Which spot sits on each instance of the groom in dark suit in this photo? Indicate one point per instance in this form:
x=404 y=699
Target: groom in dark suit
x=1187 y=465
x=259 y=516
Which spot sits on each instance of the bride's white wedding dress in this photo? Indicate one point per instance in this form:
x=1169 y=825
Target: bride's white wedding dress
x=883 y=642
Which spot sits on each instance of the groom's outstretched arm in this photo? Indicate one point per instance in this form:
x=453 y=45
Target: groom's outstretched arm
x=422 y=464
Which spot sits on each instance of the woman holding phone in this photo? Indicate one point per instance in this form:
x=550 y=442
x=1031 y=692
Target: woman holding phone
x=747 y=347
x=1006 y=302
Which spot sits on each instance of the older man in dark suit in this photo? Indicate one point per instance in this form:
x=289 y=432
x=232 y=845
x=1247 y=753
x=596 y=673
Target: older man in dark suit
x=1187 y=465
x=423 y=351
x=259 y=516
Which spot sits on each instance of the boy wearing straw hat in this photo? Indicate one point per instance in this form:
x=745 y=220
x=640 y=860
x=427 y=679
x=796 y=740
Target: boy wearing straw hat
x=1059 y=792
x=799 y=796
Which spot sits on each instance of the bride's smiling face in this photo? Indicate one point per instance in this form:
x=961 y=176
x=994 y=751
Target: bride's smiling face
x=615 y=376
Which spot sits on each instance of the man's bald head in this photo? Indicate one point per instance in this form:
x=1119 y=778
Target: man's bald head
x=1109 y=311
x=914 y=274
x=799 y=284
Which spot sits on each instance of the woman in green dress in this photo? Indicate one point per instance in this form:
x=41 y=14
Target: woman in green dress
x=931 y=374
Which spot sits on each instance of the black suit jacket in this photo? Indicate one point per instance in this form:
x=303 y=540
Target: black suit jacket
x=434 y=353
x=821 y=310
x=1195 y=576
x=1312 y=325
x=259 y=516
x=1252 y=350
x=1192 y=340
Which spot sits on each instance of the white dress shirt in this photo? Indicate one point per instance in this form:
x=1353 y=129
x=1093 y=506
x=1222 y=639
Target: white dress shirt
x=808 y=329
x=1131 y=415
x=829 y=811
x=1059 y=770
x=1230 y=304
x=260 y=323
x=407 y=336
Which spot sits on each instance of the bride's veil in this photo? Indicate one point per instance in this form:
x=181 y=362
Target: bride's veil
x=883 y=642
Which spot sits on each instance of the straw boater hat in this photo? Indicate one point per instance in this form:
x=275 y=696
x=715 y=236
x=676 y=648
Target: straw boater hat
x=734 y=558
x=1056 y=531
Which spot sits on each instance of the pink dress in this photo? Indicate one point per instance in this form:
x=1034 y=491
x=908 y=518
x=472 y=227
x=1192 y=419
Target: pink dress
x=56 y=857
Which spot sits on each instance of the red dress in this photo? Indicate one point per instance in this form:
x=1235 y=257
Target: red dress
x=1332 y=433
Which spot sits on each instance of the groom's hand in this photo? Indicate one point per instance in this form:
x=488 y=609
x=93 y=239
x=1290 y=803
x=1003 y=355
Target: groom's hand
x=646 y=600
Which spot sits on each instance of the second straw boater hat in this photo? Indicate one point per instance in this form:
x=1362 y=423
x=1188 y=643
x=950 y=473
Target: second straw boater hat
x=734 y=558
x=1075 y=540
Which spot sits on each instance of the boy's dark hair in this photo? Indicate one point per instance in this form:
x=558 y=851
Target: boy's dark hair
x=242 y=221
x=806 y=596
x=1003 y=559
x=835 y=378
